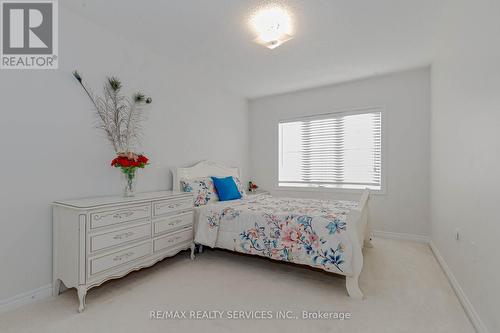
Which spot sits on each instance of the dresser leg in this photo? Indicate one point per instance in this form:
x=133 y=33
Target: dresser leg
x=193 y=247
x=82 y=295
x=56 y=287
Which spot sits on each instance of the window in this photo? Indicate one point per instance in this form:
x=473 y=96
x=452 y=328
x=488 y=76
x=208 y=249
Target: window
x=339 y=150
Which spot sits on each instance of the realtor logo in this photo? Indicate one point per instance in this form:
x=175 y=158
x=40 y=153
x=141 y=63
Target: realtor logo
x=29 y=34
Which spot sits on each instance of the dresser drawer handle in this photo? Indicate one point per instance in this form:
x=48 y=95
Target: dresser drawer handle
x=175 y=222
x=115 y=216
x=120 y=215
x=170 y=206
x=174 y=239
x=124 y=235
x=123 y=256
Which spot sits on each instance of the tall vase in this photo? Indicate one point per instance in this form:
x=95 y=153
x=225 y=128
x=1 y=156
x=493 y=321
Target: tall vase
x=129 y=178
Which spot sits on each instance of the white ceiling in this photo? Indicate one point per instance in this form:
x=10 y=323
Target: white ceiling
x=335 y=40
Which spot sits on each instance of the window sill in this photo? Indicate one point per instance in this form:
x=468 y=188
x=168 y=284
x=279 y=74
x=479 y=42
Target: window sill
x=326 y=190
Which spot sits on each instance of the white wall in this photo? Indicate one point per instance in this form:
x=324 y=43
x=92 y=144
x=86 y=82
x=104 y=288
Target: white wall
x=406 y=98
x=51 y=151
x=466 y=150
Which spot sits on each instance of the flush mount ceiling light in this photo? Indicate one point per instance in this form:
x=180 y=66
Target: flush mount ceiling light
x=273 y=26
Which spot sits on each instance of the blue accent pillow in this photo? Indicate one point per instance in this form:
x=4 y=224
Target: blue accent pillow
x=226 y=188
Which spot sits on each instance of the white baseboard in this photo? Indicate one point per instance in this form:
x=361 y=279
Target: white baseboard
x=25 y=298
x=401 y=236
x=462 y=297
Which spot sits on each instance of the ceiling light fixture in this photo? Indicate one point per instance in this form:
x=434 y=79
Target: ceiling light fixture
x=273 y=26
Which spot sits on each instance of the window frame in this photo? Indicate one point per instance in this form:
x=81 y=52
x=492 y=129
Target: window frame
x=338 y=113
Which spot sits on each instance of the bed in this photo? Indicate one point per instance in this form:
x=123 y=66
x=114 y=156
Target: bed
x=323 y=234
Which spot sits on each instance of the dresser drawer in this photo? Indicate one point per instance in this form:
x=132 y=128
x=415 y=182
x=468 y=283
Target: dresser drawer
x=122 y=236
x=173 y=222
x=172 y=240
x=101 y=264
x=172 y=205
x=109 y=217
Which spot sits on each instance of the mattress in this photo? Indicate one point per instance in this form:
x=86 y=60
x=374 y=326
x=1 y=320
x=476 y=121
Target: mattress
x=303 y=231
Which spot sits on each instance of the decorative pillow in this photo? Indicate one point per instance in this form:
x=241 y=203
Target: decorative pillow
x=203 y=189
x=241 y=189
x=226 y=188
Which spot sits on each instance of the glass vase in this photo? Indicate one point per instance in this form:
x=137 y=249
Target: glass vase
x=129 y=179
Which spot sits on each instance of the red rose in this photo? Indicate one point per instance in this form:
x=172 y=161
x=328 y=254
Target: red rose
x=142 y=159
x=130 y=161
x=124 y=162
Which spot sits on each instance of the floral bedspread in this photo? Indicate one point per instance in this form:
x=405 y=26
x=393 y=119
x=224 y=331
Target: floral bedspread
x=303 y=231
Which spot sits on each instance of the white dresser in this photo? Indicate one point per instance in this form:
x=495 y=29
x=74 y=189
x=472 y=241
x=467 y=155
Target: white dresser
x=98 y=239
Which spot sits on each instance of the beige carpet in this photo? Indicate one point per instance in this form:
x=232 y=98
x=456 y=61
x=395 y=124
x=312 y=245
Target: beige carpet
x=405 y=291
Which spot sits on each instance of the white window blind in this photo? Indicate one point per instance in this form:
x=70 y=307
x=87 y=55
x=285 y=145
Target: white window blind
x=341 y=150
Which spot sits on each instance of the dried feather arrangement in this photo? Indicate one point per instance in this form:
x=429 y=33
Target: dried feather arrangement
x=118 y=116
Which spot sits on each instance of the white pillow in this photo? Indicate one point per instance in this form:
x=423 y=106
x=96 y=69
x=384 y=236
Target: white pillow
x=202 y=188
x=241 y=189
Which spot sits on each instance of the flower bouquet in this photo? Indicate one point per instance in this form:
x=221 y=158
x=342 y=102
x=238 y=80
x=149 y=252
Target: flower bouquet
x=129 y=163
x=252 y=187
x=120 y=118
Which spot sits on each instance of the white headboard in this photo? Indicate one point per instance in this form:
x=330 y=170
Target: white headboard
x=203 y=169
